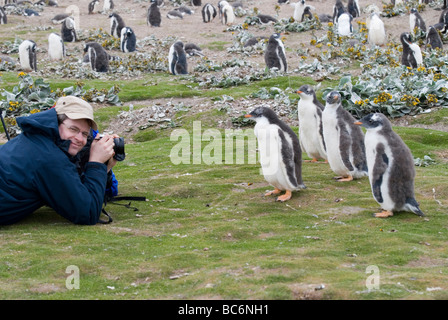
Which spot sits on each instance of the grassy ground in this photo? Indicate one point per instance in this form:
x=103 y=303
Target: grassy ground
x=207 y=232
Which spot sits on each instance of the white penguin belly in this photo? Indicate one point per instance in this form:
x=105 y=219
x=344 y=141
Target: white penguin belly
x=270 y=151
x=331 y=137
x=309 y=133
x=371 y=141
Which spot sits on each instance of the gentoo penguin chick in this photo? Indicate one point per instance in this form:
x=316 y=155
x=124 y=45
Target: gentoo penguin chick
x=344 y=140
x=338 y=9
x=416 y=21
x=27 y=55
x=108 y=5
x=353 y=8
x=311 y=135
x=174 y=14
x=344 y=25
x=228 y=16
x=153 y=18
x=412 y=55
x=391 y=167
x=68 y=30
x=127 y=40
x=208 y=13
x=93 y=6
x=301 y=10
x=274 y=55
x=280 y=153
x=433 y=38
x=266 y=19
x=377 y=33
x=98 y=57
x=177 y=59
x=3 y=16
x=116 y=25
x=193 y=50
x=56 y=47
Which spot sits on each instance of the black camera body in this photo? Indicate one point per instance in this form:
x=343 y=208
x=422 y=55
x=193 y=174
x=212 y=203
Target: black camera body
x=118 y=148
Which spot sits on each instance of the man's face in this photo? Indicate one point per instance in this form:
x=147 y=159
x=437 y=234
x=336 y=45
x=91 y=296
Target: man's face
x=77 y=131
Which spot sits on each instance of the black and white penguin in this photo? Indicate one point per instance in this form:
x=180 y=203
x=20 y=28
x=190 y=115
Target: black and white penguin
x=391 y=167
x=27 y=55
x=30 y=13
x=153 y=17
x=266 y=19
x=433 y=38
x=416 y=21
x=174 y=14
x=412 y=54
x=377 y=33
x=93 y=6
x=353 y=8
x=108 y=5
x=274 y=55
x=444 y=17
x=311 y=134
x=128 y=40
x=68 y=30
x=59 y=18
x=344 y=25
x=98 y=57
x=193 y=50
x=116 y=25
x=184 y=10
x=208 y=13
x=344 y=140
x=280 y=153
x=56 y=47
x=338 y=9
x=177 y=59
x=253 y=41
x=3 y=16
x=301 y=9
x=196 y=3
x=228 y=15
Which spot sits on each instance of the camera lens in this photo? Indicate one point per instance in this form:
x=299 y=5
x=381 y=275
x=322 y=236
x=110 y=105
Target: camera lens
x=119 y=149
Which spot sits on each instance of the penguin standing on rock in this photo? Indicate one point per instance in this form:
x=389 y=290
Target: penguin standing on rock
x=68 y=30
x=127 y=40
x=416 y=21
x=177 y=59
x=280 y=153
x=274 y=55
x=344 y=140
x=27 y=55
x=208 y=13
x=116 y=25
x=412 y=54
x=153 y=18
x=97 y=56
x=56 y=47
x=311 y=135
x=433 y=38
x=391 y=167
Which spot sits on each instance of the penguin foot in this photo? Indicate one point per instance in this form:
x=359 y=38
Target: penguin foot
x=273 y=192
x=344 y=179
x=285 y=197
x=383 y=214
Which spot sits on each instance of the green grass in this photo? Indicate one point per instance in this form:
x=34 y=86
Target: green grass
x=207 y=231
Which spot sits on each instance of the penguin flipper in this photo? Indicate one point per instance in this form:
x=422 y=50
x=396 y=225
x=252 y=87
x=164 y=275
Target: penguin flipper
x=412 y=204
x=378 y=170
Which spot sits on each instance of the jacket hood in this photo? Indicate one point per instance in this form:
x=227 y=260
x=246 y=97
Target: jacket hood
x=44 y=123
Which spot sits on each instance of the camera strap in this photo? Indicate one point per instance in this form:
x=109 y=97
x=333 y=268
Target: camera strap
x=113 y=200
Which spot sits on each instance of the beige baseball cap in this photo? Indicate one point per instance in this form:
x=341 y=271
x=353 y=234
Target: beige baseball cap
x=75 y=108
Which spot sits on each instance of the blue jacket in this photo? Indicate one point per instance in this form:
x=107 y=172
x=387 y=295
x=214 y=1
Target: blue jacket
x=36 y=170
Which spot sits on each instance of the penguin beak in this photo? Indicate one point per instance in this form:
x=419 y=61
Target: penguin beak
x=358 y=123
x=248 y=116
x=299 y=92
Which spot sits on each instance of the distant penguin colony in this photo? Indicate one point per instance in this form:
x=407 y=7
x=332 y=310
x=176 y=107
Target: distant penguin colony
x=27 y=55
x=97 y=57
x=274 y=55
x=344 y=140
x=391 y=167
x=153 y=16
x=208 y=13
x=311 y=133
x=412 y=54
x=127 y=40
x=116 y=25
x=56 y=47
x=177 y=59
x=280 y=153
x=68 y=30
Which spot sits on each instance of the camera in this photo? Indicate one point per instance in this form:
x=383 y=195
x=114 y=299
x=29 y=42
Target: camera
x=118 y=148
